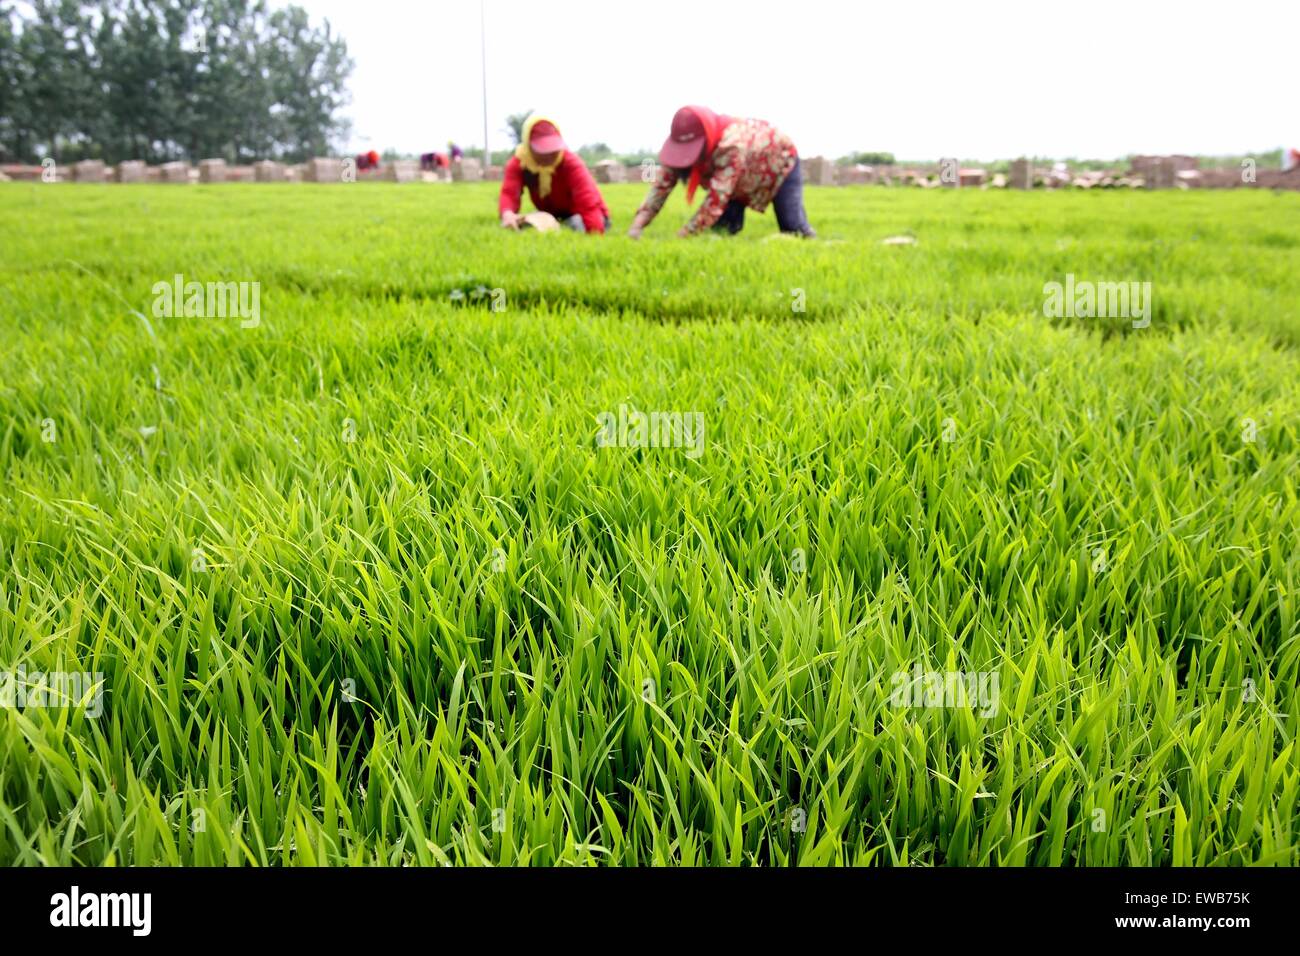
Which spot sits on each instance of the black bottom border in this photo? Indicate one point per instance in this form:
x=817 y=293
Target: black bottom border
x=566 y=905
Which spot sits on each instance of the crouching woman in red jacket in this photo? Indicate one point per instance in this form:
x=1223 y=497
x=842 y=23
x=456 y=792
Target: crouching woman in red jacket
x=557 y=179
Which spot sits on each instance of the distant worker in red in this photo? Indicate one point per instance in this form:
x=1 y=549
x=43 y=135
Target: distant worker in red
x=434 y=162
x=557 y=179
x=743 y=163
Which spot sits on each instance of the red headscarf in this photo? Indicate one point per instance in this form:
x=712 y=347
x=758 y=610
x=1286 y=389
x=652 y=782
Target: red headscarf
x=713 y=124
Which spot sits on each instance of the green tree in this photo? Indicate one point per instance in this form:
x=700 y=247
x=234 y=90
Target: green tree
x=595 y=152
x=55 y=94
x=310 y=67
x=169 y=79
x=515 y=126
x=9 y=80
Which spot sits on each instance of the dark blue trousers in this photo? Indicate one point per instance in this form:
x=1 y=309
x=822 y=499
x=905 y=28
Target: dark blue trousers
x=787 y=204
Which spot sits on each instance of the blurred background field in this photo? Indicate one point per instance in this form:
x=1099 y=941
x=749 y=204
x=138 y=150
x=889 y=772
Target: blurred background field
x=1222 y=259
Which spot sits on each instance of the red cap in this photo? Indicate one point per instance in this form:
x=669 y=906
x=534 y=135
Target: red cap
x=684 y=144
x=545 y=138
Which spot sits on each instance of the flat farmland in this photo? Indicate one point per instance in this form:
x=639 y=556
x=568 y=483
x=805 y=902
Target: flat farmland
x=383 y=535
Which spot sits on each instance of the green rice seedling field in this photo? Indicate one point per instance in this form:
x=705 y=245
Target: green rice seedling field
x=385 y=566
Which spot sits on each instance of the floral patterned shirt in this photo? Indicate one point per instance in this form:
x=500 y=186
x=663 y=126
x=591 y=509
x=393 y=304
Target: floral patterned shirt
x=749 y=165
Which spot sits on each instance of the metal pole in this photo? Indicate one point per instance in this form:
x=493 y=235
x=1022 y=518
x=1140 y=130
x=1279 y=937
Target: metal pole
x=482 y=24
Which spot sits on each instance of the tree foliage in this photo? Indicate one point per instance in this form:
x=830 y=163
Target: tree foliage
x=168 y=79
x=866 y=159
x=515 y=125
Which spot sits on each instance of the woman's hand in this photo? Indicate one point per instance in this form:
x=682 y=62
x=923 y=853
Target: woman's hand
x=510 y=220
x=639 y=222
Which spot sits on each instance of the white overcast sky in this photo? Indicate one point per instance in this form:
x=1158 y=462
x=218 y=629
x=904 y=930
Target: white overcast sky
x=979 y=79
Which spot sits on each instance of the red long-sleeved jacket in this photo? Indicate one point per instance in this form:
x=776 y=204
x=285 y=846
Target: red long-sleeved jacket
x=573 y=192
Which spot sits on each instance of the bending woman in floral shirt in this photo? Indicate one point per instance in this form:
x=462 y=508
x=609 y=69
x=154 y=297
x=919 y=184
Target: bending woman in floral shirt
x=744 y=162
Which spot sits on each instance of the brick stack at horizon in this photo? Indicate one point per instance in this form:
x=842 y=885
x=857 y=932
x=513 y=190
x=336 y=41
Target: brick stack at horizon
x=971 y=177
x=610 y=171
x=1022 y=174
x=1279 y=178
x=1222 y=178
x=818 y=171
x=1161 y=174
x=18 y=172
x=638 y=173
x=855 y=175
x=175 y=173
x=467 y=169
x=323 y=170
x=212 y=170
x=1138 y=165
x=268 y=171
x=88 y=171
x=130 y=171
x=402 y=171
